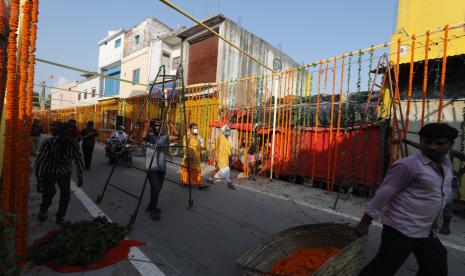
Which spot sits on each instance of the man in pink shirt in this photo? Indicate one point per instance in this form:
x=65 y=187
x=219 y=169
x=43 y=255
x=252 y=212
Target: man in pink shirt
x=409 y=202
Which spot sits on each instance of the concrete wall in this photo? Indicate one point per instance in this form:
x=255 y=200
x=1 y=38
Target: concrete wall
x=418 y=16
x=87 y=86
x=138 y=60
x=61 y=98
x=148 y=30
x=108 y=54
x=233 y=65
x=156 y=51
x=453 y=114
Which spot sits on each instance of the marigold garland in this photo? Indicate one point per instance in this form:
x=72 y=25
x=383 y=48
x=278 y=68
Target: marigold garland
x=304 y=262
x=10 y=105
x=22 y=161
x=3 y=52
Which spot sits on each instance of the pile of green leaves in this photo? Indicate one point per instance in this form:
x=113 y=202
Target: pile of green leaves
x=79 y=243
x=7 y=257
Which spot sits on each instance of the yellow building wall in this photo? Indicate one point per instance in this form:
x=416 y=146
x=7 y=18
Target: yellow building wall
x=127 y=66
x=418 y=16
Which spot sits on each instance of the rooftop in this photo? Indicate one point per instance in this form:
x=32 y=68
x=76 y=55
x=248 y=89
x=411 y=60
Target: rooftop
x=212 y=21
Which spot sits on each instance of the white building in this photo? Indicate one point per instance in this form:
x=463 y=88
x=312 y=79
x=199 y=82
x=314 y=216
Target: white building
x=137 y=55
x=165 y=51
x=64 y=96
x=88 y=90
x=109 y=63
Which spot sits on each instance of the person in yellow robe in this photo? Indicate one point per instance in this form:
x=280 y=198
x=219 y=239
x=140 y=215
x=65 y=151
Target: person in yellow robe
x=192 y=158
x=223 y=150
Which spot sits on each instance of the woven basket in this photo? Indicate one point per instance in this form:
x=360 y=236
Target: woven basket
x=259 y=261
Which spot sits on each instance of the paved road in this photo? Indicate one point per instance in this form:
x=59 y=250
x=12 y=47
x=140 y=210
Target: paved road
x=222 y=225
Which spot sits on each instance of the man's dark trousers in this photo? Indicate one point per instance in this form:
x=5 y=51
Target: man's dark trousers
x=156 y=179
x=49 y=192
x=395 y=248
x=87 y=151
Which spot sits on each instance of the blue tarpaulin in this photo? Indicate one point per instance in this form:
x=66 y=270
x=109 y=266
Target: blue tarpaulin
x=170 y=90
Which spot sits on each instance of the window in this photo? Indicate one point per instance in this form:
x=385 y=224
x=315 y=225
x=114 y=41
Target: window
x=176 y=61
x=165 y=60
x=109 y=119
x=136 y=75
x=117 y=42
x=111 y=86
x=79 y=96
x=93 y=92
x=85 y=94
x=137 y=38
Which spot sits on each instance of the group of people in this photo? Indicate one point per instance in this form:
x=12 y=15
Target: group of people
x=157 y=142
x=415 y=192
x=54 y=162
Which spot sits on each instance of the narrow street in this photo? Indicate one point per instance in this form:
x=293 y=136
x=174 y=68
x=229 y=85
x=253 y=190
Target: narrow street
x=222 y=225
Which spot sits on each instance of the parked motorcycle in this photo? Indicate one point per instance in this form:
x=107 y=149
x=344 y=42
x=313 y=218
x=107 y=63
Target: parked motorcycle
x=114 y=151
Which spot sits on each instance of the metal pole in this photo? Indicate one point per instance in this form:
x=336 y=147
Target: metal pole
x=42 y=95
x=183 y=99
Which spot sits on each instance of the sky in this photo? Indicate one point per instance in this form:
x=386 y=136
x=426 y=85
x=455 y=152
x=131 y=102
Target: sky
x=306 y=30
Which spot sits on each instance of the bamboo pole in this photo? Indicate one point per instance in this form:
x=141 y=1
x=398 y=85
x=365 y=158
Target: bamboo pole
x=410 y=83
x=425 y=80
x=338 y=122
x=289 y=129
x=265 y=94
x=443 y=74
x=283 y=123
x=330 y=181
x=242 y=102
x=254 y=99
x=274 y=127
x=315 y=137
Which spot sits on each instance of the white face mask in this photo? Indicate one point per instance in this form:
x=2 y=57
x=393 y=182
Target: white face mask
x=195 y=130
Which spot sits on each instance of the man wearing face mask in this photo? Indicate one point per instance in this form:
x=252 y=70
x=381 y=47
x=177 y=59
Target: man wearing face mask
x=192 y=158
x=157 y=143
x=119 y=134
x=223 y=150
x=410 y=201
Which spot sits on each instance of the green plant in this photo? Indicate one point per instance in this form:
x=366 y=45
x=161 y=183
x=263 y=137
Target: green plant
x=7 y=259
x=79 y=243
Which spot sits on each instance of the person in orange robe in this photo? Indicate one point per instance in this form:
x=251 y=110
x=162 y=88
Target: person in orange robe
x=192 y=159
